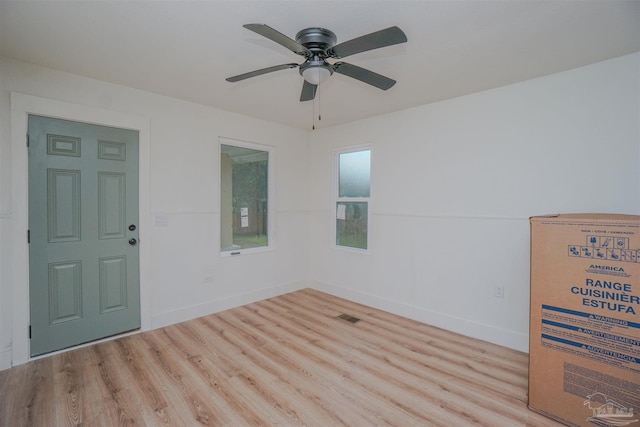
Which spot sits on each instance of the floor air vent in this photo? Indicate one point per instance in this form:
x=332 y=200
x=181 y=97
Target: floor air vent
x=348 y=318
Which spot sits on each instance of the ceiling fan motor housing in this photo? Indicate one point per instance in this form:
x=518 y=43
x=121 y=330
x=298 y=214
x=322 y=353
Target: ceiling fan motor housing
x=317 y=39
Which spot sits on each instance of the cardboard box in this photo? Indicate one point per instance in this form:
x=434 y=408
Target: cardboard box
x=584 y=342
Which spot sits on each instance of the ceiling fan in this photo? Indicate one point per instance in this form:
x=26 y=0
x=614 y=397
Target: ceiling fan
x=319 y=44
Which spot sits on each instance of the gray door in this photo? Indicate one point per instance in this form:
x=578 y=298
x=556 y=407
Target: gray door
x=83 y=219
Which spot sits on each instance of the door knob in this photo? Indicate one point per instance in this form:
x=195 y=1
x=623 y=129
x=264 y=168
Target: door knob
x=133 y=242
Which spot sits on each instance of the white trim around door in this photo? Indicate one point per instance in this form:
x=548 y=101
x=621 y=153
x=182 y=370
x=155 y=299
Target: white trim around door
x=21 y=106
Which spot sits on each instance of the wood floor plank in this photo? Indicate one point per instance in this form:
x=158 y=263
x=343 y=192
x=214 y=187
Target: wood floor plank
x=293 y=363
x=33 y=398
x=269 y=376
x=373 y=374
x=449 y=367
x=115 y=406
x=362 y=390
x=67 y=384
x=492 y=369
x=286 y=361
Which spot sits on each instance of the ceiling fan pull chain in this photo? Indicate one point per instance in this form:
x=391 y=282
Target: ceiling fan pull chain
x=313 y=115
x=319 y=104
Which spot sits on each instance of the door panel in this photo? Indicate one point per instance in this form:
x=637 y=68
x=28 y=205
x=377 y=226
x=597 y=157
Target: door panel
x=113 y=284
x=111 y=205
x=63 y=205
x=65 y=292
x=83 y=196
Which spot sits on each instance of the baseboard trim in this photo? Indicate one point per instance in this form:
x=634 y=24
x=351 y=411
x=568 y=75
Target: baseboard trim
x=504 y=337
x=499 y=336
x=231 y=301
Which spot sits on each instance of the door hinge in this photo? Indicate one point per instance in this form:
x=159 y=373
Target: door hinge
x=28 y=140
x=29 y=331
x=28 y=236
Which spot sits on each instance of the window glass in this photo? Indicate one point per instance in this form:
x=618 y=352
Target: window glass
x=354 y=173
x=244 y=198
x=352 y=204
x=351 y=226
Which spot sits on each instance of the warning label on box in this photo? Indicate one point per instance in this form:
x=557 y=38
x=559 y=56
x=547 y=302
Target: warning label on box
x=605 y=339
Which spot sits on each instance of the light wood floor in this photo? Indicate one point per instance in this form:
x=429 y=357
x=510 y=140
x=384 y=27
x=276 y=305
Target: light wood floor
x=283 y=361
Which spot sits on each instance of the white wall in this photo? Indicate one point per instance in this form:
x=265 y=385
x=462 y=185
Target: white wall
x=181 y=171
x=453 y=186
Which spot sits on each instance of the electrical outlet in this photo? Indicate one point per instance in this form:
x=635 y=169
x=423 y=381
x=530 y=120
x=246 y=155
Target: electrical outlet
x=498 y=291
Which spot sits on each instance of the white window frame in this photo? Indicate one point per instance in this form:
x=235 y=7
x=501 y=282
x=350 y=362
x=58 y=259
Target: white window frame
x=337 y=199
x=270 y=202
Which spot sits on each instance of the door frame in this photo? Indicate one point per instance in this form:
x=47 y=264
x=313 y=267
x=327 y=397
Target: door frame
x=22 y=106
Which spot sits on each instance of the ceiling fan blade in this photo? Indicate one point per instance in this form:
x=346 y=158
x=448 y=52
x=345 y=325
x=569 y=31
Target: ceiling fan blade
x=364 y=75
x=260 y=72
x=308 y=91
x=278 y=37
x=378 y=39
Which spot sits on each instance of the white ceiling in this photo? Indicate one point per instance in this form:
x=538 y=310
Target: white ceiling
x=186 y=49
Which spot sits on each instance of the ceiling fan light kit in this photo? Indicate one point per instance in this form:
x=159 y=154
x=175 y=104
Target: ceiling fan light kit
x=317 y=45
x=315 y=72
